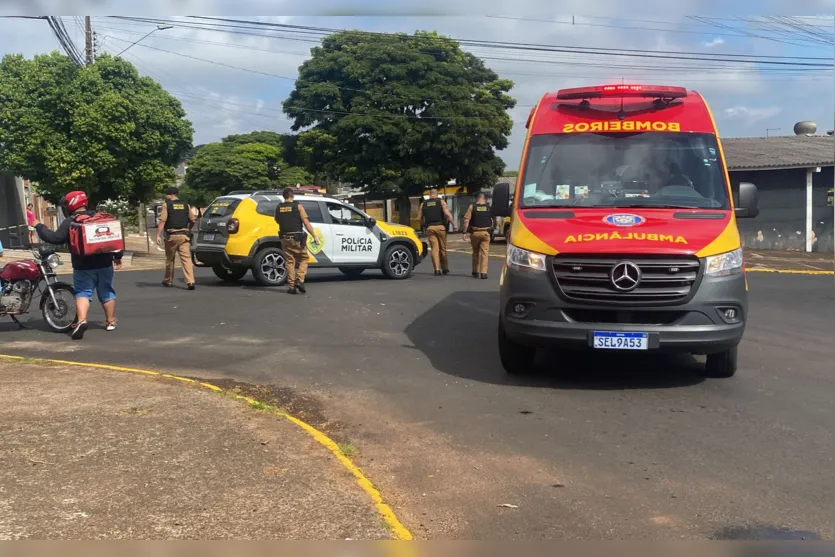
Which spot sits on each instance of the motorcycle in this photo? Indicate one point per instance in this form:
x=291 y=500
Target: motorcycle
x=22 y=281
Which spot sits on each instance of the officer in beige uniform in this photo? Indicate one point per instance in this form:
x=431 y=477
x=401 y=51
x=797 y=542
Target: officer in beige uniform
x=478 y=221
x=292 y=222
x=176 y=220
x=434 y=215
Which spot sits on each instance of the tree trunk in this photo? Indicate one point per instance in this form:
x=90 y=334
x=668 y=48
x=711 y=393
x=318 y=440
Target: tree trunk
x=404 y=210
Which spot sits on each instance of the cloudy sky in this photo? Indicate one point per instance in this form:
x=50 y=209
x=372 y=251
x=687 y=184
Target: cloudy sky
x=233 y=81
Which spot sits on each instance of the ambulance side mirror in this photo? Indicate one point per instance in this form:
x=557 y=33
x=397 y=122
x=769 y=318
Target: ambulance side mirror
x=501 y=200
x=748 y=206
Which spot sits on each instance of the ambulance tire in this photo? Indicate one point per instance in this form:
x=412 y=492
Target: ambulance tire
x=270 y=267
x=722 y=364
x=227 y=274
x=351 y=271
x=398 y=262
x=517 y=359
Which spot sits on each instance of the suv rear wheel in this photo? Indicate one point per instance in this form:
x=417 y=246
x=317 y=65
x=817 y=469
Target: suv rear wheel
x=229 y=274
x=270 y=267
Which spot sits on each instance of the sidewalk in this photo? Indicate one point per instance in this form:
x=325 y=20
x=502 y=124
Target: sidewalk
x=91 y=453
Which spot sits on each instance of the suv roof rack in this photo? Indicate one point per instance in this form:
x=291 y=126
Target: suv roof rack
x=273 y=192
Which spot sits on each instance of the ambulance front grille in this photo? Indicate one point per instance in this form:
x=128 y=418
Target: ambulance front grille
x=662 y=279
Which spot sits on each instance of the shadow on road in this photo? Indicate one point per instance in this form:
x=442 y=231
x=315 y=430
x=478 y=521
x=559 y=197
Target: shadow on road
x=458 y=335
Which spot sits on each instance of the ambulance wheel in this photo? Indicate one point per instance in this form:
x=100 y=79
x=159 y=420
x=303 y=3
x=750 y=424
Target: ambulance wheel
x=351 y=271
x=270 y=267
x=722 y=364
x=398 y=262
x=517 y=359
x=228 y=274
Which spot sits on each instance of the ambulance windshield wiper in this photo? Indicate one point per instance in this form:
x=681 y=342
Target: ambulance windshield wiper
x=655 y=206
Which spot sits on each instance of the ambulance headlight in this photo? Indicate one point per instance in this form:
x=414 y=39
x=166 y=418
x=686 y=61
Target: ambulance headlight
x=724 y=264
x=522 y=258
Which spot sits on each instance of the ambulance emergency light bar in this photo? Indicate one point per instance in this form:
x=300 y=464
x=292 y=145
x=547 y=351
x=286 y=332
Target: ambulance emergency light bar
x=603 y=91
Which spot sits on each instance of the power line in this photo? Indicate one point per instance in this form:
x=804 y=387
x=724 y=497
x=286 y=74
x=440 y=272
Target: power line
x=631 y=67
x=575 y=23
x=821 y=63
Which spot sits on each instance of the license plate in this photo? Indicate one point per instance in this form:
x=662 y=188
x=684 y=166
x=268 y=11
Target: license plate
x=621 y=341
x=208 y=237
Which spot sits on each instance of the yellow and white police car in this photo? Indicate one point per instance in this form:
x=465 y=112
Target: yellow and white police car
x=238 y=233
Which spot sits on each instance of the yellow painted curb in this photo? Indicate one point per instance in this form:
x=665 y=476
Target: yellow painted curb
x=397 y=528
x=789 y=271
x=749 y=269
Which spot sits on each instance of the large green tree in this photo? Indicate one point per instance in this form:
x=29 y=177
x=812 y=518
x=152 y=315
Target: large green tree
x=397 y=113
x=241 y=162
x=101 y=128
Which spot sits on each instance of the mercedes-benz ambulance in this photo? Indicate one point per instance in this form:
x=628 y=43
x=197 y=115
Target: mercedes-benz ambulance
x=624 y=234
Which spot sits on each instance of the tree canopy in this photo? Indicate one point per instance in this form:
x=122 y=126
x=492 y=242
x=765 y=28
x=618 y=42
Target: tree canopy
x=101 y=128
x=397 y=113
x=241 y=162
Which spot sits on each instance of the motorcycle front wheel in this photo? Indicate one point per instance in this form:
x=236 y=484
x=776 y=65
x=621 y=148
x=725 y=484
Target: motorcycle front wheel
x=60 y=318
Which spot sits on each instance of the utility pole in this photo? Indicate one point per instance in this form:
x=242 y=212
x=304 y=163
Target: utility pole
x=88 y=40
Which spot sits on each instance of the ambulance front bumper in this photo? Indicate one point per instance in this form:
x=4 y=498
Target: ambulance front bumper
x=534 y=312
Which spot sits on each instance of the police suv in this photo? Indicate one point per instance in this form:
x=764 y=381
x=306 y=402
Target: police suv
x=238 y=233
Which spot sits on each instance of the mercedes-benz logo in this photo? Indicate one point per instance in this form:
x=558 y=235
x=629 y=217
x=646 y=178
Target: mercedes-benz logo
x=625 y=276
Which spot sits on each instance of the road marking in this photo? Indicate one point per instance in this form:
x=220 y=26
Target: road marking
x=397 y=528
x=748 y=269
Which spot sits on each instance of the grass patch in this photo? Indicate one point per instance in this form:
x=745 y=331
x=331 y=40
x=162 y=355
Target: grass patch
x=347 y=449
x=260 y=406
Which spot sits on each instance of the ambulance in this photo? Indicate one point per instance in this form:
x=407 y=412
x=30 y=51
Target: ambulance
x=624 y=234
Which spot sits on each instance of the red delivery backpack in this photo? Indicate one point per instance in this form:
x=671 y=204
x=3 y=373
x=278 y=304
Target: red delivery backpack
x=96 y=234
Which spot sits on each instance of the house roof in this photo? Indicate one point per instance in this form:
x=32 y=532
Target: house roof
x=792 y=151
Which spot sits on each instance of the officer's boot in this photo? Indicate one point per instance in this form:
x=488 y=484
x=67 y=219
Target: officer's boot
x=484 y=275
x=301 y=288
x=291 y=290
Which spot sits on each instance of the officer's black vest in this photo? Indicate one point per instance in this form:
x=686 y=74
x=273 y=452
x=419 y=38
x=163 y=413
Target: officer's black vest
x=289 y=219
x=177 y=218
x=481 y=217
x=433 y=213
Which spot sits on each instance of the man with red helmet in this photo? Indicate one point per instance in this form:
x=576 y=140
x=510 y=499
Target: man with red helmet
x=92 y=272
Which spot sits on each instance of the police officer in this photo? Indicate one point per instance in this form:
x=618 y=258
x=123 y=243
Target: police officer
x=478 y=221
x=434 y=215
x=176 y=220
x=292 y=222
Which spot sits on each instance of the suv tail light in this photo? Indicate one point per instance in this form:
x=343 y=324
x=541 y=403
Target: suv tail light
x=232 y=226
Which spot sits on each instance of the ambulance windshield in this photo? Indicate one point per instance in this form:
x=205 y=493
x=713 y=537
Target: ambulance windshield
x=645 y=169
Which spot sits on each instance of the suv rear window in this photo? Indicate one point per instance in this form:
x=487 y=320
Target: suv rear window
x=267 y=207
x=222 y=207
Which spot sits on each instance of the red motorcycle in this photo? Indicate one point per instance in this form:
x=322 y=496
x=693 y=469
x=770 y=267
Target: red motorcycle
x=22 y=281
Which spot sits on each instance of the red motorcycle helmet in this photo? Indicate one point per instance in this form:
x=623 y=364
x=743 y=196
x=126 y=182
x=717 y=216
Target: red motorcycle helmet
x=73 y=201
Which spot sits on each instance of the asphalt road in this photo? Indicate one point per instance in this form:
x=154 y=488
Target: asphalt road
x=587 y=447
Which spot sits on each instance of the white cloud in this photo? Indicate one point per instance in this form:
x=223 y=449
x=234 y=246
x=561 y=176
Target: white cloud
x=752 y=115
x=714 y=42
